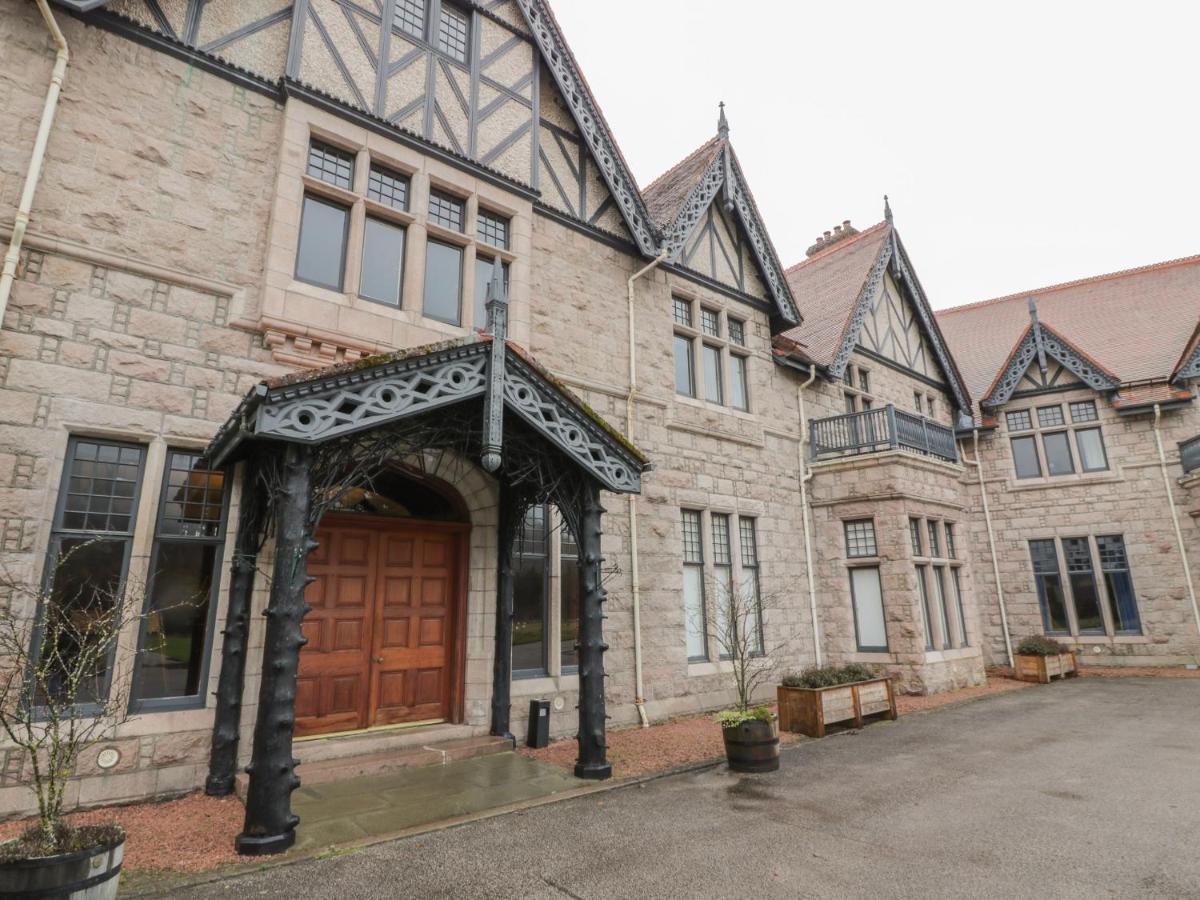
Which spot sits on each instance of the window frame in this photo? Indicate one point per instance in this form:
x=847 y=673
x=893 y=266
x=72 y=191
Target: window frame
x=347 y=211
x=1105 y=598
x=387 y=223
x=1036 y=424
x=710 y=328
x=738 y=568
x=200 y=699
x=702 y=566
x=854 y=605
x=462 y=264
x=939 y=575
x=58 y=533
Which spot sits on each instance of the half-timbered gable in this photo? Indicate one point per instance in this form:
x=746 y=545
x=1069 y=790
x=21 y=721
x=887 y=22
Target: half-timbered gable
x=893 y=330
x=473 y=79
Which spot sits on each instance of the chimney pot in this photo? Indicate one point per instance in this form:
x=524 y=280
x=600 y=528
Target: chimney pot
x=845 y=223
x=837 y=229
x=828 y=234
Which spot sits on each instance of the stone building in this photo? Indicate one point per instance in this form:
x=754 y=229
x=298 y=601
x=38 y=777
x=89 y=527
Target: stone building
x=270 y=239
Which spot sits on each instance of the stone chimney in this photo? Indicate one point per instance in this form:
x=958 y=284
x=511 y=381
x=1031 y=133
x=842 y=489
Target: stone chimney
x=829 y=238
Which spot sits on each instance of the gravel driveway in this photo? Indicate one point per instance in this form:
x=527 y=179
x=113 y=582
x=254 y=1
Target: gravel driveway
x=1086 y=788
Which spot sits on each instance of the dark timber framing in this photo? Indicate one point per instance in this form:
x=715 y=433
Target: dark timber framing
x=315 y=435
x=1038 y=342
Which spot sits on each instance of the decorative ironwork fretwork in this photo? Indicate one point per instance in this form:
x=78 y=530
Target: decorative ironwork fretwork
x=357 y=400
x=591 y=125
x=1191 y=368
x=425 y=385
x=581 y=439
x=892 y=253
x=722 y=172
x=1055 y=346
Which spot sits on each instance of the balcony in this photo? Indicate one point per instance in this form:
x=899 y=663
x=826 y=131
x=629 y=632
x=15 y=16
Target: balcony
x=885 y=428
x=1189 y=455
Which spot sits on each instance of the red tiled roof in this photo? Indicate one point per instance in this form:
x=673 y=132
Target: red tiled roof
x=826 y=286
x=1146 y=394
x=1134 y=324
x=666 y=193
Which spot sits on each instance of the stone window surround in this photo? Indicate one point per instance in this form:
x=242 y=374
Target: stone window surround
x=698 y=337
x=716 y=662
x=952 y=566
x=1037 y=430
x=304 y=123
x=1057 y=535
x=148 y=722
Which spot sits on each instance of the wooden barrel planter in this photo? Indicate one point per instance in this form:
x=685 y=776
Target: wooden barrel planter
x=91 y=874
x=809 y=710
x=1041 y=669
x=752 y=746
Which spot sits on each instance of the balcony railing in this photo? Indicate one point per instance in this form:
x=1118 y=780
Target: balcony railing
x=1189 y=454
x=885 y=428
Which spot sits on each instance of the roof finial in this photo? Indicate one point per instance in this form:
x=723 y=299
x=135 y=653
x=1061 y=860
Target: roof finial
x=887 y=210
x=723 y=124
x=1036 y=326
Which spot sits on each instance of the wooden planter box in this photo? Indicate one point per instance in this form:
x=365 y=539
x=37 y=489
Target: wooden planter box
x=809 y=710
x=1041 y=669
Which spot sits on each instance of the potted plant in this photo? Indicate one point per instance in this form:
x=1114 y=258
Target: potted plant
x=58 y=650
x=816 y=697
x=1039 y=659
x=750 y=731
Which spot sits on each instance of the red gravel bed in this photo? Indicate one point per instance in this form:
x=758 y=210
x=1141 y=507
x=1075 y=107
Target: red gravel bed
x=189 y=835
x=1087 y=671
x=697 y=739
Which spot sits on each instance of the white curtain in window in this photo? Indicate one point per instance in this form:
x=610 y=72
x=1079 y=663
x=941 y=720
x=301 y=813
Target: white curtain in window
x=868 y=607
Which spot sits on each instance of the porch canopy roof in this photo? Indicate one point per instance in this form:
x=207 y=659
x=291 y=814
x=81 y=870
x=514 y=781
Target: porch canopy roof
x=452 y=379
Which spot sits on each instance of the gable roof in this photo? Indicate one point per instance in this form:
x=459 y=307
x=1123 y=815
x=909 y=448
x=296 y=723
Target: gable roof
x=561 y=62
x=1135 y=324
x=1037 y=342
x=679 y=198
x=835 y=287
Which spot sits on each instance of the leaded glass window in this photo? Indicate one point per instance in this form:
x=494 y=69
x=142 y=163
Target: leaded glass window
x=446 y=210
x=1084 y=590
x=531 y=561
x=175 y=640
x=693 y=586
x=331 y=164
x=1114 y=564
x=1049 y=586
x=388 y=187
x=452 y=35
x=1050 y=416
x=1019 y=420
x=748 y=544
x=1084 y=411
x=682 y=312
x=914 y=534
x=710 y=322
x=492 y=229
x=860 y=538
x=737 y=332
x=410 y=17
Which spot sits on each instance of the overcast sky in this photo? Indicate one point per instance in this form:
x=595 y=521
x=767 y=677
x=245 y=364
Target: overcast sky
x=1022 y=144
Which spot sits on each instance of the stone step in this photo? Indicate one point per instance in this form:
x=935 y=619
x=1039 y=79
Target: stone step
x=434 y=754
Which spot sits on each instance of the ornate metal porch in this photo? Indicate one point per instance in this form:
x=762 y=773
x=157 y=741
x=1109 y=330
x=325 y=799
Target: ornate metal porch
x=304 y=440
x=875 y=430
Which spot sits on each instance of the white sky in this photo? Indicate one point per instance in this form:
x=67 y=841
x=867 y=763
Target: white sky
x=1022 y=144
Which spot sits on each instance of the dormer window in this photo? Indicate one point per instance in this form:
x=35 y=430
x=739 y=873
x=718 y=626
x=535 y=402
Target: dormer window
x=410 y=17
x=452 y=33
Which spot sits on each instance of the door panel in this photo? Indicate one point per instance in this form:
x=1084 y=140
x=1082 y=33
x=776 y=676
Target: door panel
x=332 y=685
x=413 y=647
x=381 y=634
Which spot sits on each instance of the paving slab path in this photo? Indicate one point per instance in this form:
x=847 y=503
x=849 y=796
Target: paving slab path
x=1086 y=788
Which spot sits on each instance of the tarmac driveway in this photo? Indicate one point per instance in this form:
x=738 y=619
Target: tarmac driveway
x=1086 y=788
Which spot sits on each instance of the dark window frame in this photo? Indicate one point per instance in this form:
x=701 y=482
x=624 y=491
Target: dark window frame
x=403 y=229
x=854 y=609
x=695 y=563
x=860 y=534
x=340 y=287
x=58 y=534
x=462 y=257
x=200 y=699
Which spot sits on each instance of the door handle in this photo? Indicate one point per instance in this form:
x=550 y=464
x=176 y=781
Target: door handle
x=379 y=660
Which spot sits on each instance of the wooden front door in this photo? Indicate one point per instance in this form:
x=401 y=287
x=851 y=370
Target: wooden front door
x=383 y=644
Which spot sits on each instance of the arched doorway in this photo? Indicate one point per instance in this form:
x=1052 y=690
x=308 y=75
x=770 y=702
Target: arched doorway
x=388 y=596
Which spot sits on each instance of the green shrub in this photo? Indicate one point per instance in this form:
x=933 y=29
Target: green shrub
x=1039 y=645
x=732 y=718
x=829 y=676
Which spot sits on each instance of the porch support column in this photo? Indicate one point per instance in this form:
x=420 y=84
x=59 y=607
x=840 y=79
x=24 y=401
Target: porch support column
x=270 y=826
x=593 y=761
x=222 y=760
x=502 y=664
